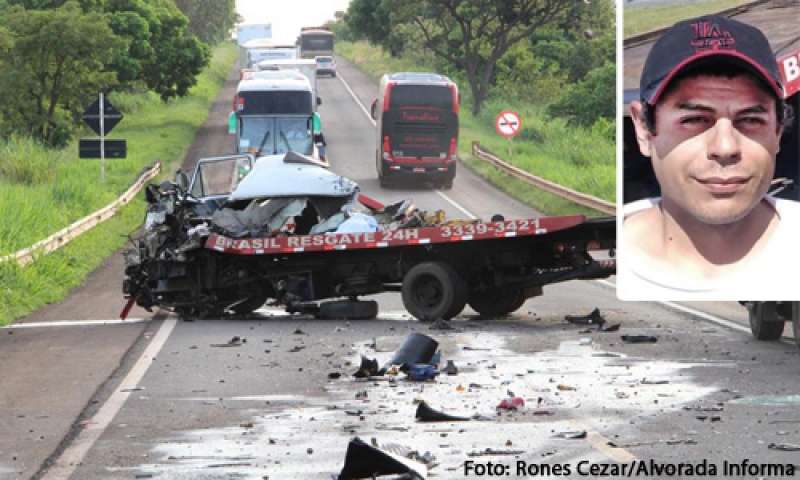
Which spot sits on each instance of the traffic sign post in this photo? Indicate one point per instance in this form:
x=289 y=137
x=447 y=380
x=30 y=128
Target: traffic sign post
x=102 y=117
x=508 y=124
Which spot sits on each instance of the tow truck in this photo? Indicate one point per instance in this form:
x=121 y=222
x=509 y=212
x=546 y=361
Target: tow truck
x=285 y=229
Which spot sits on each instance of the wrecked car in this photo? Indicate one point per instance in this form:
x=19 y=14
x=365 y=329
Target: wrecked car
x=285 y=229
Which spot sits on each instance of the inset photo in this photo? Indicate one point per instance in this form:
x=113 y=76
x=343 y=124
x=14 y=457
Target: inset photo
x=710 y=155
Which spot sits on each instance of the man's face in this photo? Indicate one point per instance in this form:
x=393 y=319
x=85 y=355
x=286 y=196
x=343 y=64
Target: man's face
x=714 y=147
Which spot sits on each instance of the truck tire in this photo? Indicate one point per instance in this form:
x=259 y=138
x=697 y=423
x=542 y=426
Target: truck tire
x=497 y=302
x=796 y=322
x=251 y=304
x=765 y=324
x=348 y=310
x=433 y=290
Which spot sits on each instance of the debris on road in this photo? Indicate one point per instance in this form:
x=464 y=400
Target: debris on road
x=450 y=368
x=417 y=349
x=639 y=338
x=365 y=461
x=784 y=446
x=427 y=414
x=593 y=318
x=233 y=342
x=511 y=403
x=571 y=434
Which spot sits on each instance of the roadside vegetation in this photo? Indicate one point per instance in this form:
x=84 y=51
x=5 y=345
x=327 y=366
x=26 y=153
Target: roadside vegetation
x=43 y=190
x=559 y=76
x=554 y=67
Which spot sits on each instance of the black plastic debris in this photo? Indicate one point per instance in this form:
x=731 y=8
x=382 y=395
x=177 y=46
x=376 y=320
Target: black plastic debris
x=639 y=338
x=594 y=318
x=365 y=461
x=450 y=368
x=787 y=447
x=368 y=368
x=610 y=328
x=417 y=348
x=427 y=414
x=233 y=342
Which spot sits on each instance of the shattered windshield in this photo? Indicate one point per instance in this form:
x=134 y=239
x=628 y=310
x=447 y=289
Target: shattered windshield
x=219 y=176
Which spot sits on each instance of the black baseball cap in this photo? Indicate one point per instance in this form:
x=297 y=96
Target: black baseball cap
x=708 y=37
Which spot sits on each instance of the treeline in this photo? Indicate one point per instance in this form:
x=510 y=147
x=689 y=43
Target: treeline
x=56 y=55
x=555 y=53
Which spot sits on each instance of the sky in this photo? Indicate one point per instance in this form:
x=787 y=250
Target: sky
x=287 y=16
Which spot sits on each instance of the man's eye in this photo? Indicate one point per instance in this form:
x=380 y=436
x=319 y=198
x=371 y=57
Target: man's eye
x=694 y=120
x=752 y=121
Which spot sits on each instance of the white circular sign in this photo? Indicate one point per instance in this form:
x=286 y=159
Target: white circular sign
x=508 y=123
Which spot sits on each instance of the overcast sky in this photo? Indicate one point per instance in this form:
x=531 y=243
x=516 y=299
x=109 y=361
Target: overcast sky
x=287 y=16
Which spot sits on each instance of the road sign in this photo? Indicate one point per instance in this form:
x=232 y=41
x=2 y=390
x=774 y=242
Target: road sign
x=508 y=123
x=111 y=117
x=91 y=148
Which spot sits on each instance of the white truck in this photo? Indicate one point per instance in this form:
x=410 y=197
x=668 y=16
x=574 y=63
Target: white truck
x=258 y=49
x=251 y=31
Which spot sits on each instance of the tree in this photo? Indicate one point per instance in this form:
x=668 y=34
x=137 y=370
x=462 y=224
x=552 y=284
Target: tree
x=161 y=53
x=373 y=21
x=55 y=64
x=474 y=34
x=592 y=98
x=209 y=20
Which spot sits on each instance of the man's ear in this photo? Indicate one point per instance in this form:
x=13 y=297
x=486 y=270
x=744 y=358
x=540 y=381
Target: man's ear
x=643 y=133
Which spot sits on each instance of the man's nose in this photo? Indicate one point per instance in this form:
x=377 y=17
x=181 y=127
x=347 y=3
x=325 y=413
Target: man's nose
x=724 y=143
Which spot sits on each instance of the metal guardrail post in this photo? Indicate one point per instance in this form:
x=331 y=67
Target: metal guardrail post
x=577 y=197
x=64 y=236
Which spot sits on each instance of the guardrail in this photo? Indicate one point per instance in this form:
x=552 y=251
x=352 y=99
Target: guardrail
x=580 y=198
x=62 y=237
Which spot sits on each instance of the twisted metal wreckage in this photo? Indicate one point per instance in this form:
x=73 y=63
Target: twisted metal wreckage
x=243 y=231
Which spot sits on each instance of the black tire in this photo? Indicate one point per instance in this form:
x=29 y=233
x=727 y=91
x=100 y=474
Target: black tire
x=498 y=302
x=384 y=183
x=764 y=321
x=433 y=290
x=447 y=184
x=348 y=310
x=253 y=303
x=796 y=322
x=462 y=292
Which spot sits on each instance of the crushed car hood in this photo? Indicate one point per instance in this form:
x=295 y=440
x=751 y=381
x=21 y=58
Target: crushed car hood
x=292 y=175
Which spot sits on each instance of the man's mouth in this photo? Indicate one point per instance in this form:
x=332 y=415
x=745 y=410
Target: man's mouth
x=723 y=185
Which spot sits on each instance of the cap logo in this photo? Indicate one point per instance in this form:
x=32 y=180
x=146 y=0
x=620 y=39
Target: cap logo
x=710 y=36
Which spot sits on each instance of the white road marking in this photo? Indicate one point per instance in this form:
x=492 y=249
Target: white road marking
x=77 y=323
x=74 y=454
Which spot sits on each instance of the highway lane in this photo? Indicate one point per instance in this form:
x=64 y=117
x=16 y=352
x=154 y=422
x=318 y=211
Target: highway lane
x=185 y=409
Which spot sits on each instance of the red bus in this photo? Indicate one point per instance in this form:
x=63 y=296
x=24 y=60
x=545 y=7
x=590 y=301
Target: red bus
x=416 y=116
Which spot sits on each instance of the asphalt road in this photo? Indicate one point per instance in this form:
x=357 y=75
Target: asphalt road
x=158 y=398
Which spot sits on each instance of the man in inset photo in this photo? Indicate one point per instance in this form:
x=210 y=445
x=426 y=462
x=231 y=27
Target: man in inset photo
x=709 y=118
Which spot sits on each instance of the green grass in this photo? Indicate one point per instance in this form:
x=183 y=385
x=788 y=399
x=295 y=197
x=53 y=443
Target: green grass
x=574 y=157
x=639 y=20
x=42 y=191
